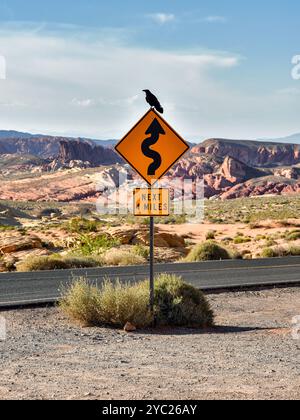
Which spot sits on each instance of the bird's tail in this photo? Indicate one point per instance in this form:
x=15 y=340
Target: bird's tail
x=160 y=109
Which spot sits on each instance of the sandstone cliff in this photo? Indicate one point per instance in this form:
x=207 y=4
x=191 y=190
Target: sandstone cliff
x=253 y=153
x=86 y=152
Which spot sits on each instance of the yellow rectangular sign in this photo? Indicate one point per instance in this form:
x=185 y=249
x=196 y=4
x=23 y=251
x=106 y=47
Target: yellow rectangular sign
x=151 y=202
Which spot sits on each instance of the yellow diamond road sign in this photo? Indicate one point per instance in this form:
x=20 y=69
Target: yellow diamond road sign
x=152 y=147
x=151 y=202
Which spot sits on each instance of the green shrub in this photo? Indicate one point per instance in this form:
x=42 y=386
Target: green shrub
x=211 y=235
x=181 y=305
x=55 y=262
x=95 y=245
x=4 y=228
x=242 y=240
x=80 y=225
x=293 y=236
x=292 y=251
x=269 y=253
x=142 y=251
x=115 y=304
x=208 y=251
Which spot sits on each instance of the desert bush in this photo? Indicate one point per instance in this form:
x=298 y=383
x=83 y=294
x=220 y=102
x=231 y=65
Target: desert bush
x=80 y=302
x=115 y=304
x=81 y=225
x=4 y=228
x=208 y=251
x=142 y=251
x=119 y=257
x=293 y=236
x=292 y=251
x=181 y=305
x=242 y=240
x=110 y=305
x=211 y=235
x=56 y=262
x=89 y=245
x=269 y=253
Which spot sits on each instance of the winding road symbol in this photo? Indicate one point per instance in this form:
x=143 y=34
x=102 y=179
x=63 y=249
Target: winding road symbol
x=155 y=130
x=152 y=147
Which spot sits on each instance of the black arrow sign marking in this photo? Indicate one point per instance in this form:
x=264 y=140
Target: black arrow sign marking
x=155 y=129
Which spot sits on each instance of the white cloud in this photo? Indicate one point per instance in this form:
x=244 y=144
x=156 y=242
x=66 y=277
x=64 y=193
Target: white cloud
x=90 y=85
x=215 y=19
x=162 y=18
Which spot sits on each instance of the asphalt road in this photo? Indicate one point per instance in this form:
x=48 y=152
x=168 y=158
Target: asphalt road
x=43 y=287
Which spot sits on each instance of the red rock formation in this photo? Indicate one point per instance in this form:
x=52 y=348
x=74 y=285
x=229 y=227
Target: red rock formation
x=253 y=153
x=86 y=152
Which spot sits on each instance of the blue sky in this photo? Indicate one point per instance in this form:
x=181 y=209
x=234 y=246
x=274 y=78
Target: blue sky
x=221 y=68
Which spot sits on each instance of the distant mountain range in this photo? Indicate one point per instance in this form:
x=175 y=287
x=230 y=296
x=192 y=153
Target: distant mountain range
x=229 y=168
x=293 y=139
x=12 y=134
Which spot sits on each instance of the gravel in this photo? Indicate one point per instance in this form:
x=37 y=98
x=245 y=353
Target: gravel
x=251 y=354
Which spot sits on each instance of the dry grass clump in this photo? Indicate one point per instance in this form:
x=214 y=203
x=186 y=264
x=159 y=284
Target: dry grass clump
x=114 y=304
x=208 y=251
x=56 y=262
x=279 y=252
x=119 y=257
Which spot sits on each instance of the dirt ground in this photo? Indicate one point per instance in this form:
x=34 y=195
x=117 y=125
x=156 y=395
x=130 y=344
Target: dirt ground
x=196 y=233
x=251 y=354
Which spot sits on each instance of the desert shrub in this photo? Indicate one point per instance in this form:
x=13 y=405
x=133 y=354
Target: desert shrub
x=119 y=257
x=234 y=254
x=115 y=304
x=95 y=245
x=142 y=251
x=179 y=304
x=269 y=253
x=4 y=228
x=293 y=236
x=56 y=262
x=80 y=302
x=211 y=235
x=80 y=225
x=259 y=238
x=292 y=251
x=208 y=251
x=242 y=240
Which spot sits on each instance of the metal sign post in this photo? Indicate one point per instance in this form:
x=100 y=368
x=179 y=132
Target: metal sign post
x=152 y=227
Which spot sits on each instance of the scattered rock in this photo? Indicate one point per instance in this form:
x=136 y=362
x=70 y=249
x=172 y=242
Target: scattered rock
x=15 y=242
x=129 y=327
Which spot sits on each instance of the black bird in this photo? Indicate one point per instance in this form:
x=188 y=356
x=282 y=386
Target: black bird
x=153 y=101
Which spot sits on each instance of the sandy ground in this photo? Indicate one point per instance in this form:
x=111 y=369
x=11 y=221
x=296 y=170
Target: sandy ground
x=251 y=354
x=196 y=233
